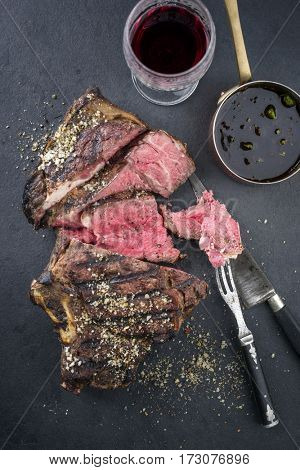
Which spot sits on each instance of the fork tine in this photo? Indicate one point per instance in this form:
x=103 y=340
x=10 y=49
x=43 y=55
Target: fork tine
x=219 y=281
x=231 y=276
x=224 y=279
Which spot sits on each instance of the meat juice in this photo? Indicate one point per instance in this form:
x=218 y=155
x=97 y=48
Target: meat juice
x=169 y=39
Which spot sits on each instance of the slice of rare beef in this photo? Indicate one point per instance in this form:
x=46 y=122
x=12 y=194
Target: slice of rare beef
x=129 y=224
x=92 y=132
x=108 y=309
x=157 y=163
x=210 y=223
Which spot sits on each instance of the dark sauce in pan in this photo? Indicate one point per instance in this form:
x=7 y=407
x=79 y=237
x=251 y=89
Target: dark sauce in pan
x=258 y=132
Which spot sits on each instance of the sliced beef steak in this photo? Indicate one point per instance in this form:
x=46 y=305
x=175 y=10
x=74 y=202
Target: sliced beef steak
x=92 y=132
x=82 y=234
x=210 y=223
x=129 y=224
x=157 y=162
x=108 y=310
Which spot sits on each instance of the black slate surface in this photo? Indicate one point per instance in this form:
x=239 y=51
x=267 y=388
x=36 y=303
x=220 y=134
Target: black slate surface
x=62 y=47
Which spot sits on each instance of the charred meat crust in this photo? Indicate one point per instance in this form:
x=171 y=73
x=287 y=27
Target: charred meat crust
x=103 y=346
x=98 y=132
x=111 y=110
x=81 y=196
x=34 y=195
x=91 y=142
x=125 y=162
x=92 y=102
x=107 y=308
x=98 y=372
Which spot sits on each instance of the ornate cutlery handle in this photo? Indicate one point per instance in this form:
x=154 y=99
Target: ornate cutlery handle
x=259 y=383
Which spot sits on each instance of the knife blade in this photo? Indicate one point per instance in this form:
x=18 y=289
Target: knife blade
x=254 y=287
x=252 y=283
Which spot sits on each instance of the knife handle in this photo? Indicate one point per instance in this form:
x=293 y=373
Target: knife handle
x=290 y=325
x=260 y=386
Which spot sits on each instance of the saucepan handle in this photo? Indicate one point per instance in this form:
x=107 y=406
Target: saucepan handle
x=260 y=386
x=238 y=39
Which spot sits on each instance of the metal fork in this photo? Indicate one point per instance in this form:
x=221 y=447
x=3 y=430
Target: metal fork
x=229 y=293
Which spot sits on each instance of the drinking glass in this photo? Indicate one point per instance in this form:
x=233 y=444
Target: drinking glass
x=161 y=88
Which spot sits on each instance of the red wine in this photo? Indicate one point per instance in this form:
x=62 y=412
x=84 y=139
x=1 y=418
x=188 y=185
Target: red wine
x=169 y=39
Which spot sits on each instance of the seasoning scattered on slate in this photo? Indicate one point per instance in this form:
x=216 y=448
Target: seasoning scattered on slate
x=205 y=367
x=32 y=136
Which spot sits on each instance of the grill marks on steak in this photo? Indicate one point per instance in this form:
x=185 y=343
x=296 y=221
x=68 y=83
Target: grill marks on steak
x=129 y=224
x=92 y=132
x=102 y=360
x=156 y=162
x=109 y=309
x=210 y=223
x=107 y=305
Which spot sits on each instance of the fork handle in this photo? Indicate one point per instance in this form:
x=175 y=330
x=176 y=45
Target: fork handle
x=259 y=384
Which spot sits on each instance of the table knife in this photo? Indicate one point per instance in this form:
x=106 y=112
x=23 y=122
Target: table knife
x=254 y=287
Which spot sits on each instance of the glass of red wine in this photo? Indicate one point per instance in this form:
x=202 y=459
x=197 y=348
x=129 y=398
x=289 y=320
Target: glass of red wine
x=168 y=46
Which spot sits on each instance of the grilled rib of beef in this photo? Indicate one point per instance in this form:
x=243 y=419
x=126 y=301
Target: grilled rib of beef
x=210 y=223
x=91 y=133
x=156 y=162
x=108 y=310
x=129 y=224
x=108 y=307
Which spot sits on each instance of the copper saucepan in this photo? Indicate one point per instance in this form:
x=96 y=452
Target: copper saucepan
x=264 y=147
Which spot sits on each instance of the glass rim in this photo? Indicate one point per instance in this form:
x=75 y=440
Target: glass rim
x=209 y=50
